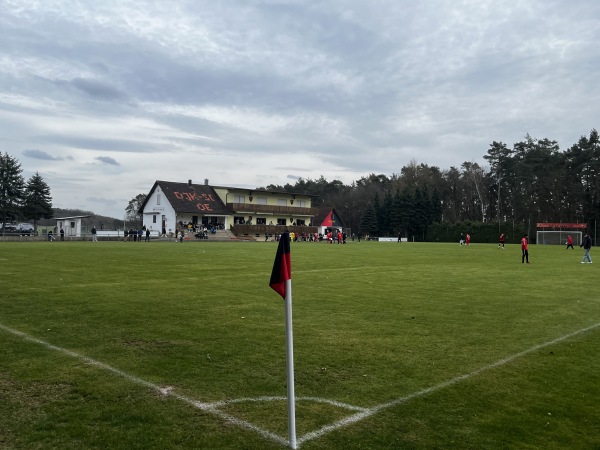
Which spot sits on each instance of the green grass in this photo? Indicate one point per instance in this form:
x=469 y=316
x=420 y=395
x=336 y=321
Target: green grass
x=373 y=323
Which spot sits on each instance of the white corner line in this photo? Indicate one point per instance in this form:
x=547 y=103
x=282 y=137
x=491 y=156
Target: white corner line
x=362 y=413
x=375 y=409
x=166 y=391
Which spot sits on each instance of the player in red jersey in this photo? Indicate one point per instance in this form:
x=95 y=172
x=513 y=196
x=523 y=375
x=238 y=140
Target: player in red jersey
x=525 y=249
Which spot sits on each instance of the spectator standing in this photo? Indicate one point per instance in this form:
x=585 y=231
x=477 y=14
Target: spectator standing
x=501 y=242
x=587 y=246
x=94 y=235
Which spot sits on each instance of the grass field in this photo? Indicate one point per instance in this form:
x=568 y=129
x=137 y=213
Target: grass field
x=161 y=345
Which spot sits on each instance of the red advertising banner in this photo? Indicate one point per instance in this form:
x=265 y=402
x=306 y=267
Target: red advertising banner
x=561 y=225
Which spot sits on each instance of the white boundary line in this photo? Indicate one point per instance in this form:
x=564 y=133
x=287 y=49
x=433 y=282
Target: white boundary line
x=207 y=407
x=375 y=409
x=362 y=413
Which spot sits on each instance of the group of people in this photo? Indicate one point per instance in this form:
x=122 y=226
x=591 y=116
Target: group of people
x=133 y=235
x=330 y=236
x=586 y=244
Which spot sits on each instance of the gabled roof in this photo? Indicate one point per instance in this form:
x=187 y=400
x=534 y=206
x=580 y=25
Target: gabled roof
x=190 y=198
x=327 y=217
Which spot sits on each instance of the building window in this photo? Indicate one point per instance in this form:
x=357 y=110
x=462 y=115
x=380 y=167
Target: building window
x=239 y=199
x=154 y=218
x=261 y=221
x=261 y=200
x=281 y=222
x=239 y=220
x=158 y=199
x=301 y=203
x=300 y=222
x=281 y=202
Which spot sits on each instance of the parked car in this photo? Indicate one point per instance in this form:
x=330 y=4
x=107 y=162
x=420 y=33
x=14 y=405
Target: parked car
x=8 y=228
x=26 y=228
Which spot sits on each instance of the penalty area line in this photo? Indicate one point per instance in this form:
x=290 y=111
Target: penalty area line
x=165 y=391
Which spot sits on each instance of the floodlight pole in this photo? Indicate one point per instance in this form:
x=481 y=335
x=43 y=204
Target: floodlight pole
x=289 y=344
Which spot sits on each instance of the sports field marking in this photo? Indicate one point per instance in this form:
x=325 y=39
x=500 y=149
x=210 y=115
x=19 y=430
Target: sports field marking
x=375 y=409
x=166 y=391
x=362 y=413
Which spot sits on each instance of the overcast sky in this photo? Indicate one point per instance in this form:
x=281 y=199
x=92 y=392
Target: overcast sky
x=103 y=98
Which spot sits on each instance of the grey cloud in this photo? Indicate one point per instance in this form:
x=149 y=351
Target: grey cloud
x=107 y=160
x=39 y=154
x=98 y=143
x=98 y=89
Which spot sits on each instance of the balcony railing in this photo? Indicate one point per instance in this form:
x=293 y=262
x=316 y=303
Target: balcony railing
x=261 y=230
x=281 y=211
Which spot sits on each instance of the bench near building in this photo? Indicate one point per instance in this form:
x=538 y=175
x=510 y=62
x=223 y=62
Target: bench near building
x=170 y=206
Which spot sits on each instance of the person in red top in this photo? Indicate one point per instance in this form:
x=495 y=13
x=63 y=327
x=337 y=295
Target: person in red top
x=468 y=241
x=501 y=243
x=525 y=249
x=569 y=242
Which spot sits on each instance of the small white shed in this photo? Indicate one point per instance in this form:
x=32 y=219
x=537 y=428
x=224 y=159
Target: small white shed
x=71 y=225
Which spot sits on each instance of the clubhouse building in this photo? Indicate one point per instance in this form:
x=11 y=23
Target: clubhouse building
x=171 y=206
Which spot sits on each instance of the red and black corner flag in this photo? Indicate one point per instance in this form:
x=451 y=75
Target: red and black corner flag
x=282 y=267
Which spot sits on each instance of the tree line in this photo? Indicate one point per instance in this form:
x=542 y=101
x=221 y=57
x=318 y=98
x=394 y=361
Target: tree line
x=21 y=199
x=532 y=181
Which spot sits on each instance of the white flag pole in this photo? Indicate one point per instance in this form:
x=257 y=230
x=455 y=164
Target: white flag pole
x=289 y=344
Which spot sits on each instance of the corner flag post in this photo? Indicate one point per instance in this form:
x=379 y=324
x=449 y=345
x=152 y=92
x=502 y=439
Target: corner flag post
x=289 y=347
x=281 y=282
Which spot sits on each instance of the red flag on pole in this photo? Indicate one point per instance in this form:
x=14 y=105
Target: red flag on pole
x=282 y=268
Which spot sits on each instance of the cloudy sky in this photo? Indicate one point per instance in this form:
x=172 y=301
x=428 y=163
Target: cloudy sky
x=103 y=98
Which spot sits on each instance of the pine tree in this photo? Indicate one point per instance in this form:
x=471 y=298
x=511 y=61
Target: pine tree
x=38 y=202
x=368 y=222
x=11 y=188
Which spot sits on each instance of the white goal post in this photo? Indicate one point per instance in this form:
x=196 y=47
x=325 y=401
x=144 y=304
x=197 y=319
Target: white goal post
x=558 y=237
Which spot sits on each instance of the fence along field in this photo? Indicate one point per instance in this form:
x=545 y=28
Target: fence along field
x=395 y=345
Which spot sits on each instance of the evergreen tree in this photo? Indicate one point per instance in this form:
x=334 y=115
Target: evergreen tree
x=368 y=222
x=435 y=207
x=396 y=214
x=384 y=215
x=12 y=187
x=405 y=204
x=38 y=202
x=419 y=218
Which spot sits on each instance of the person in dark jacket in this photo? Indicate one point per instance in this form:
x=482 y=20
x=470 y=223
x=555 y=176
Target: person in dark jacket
x=587 y=246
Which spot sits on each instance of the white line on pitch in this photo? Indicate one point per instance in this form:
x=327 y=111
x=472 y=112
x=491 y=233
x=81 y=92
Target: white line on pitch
x=375 y=409
x=361 y=415
x=206 y=407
